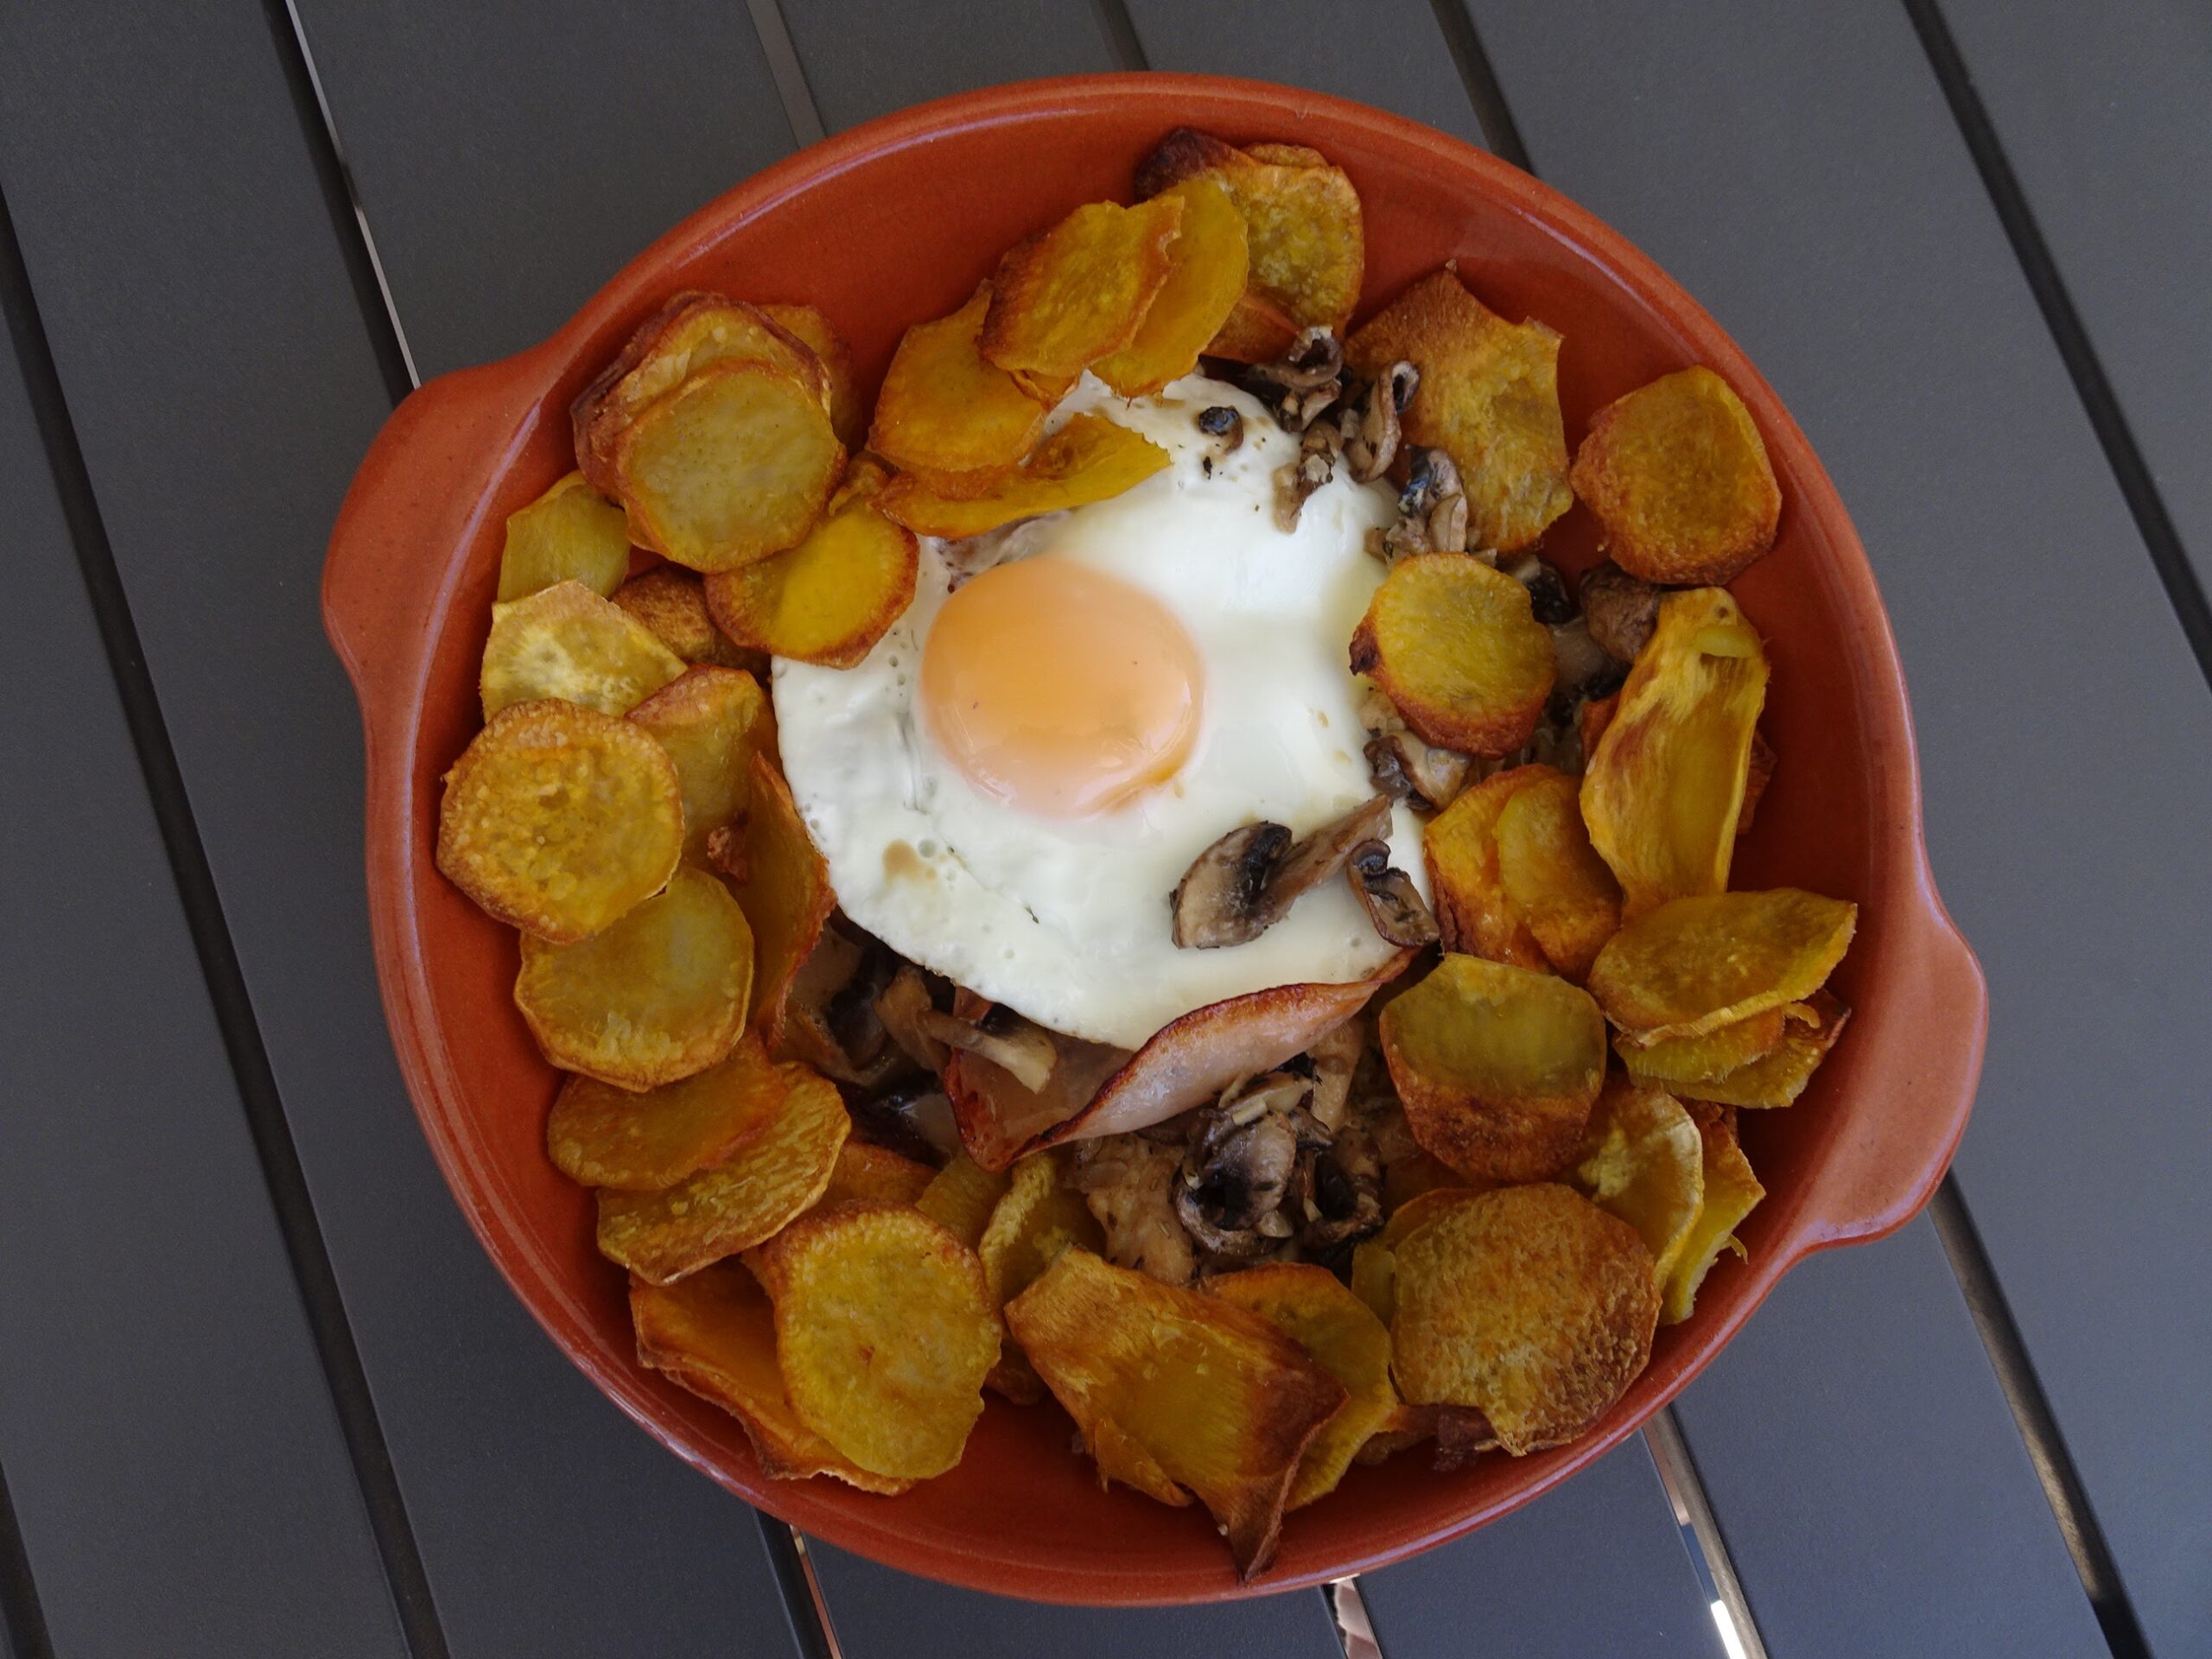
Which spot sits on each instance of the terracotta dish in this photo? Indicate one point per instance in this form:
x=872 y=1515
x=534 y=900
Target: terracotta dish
x=895 y=221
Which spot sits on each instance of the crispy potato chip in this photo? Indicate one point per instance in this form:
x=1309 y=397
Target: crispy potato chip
x=1529 y=1303
x=712 y=721
x=804 y=322
x=1731 y=1192
x=1663 y=790
x=961 y=1197
x=785 y=893
x=1068 y=296
x=657 y=996
x=780 y=1172
x=671 y=602
x=1496 y=1066
x=1678 y=476
x=943 y=409
x=1693 y=965
x=557 y=819
x=1687 y=1060
x=565 y=641
x=1340 y=1334
x=877 y=1174
x=1553 y=877
x=1036 y=1218
x=1374 y=1261
x=885 y=1332
x=1218 y=1399
x=1307 y=249
x=604 y=1136
x=1778 y=1078
x=714 y=1332
x=571 y=533
x=1089 y=459
x=1641 y=1160
x=1597 y=715
x=1460 y=846
x=1488 y=397
x=1207 y=266
x=829 y=599
x=1459 y=650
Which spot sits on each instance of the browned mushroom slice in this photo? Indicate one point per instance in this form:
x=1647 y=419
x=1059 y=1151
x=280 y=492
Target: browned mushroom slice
x=1025 y=1052
x=1621 y=610
x=1392 y=902
x=1247 y=882
x=900 y=1005
x=1239 y=1167
x=1325 y=852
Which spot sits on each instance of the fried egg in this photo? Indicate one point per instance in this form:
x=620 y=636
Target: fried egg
x=1009 y=786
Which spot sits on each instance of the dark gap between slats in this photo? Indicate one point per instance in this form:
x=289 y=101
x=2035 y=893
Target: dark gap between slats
x=1501 y=136
x=2032 y=1414
x=19 y=1606
x=1121 y=33
x=2090 y=382
x=218 y=966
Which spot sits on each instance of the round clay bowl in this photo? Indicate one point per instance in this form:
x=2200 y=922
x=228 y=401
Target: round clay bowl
x=892 y=223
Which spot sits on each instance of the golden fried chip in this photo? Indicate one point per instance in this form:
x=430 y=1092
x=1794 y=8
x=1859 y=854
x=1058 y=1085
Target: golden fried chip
x=671 y=602
x=780 y=1170
x=943 y=409
x=1553 y=877
x=1207 y=266
x=1307 y=248
x=1689 y=1060
x=961 y=1197
x=1664 y=787
x=1090 y=459
x=1693 y=965
x=885 y=1332
x=1374 y=1261
x=1496 y=1066
x=1461 y=845
x=604 y=1136
x=712 y=721
x=1217 y=1399
x=1458 y=648
x=865 y=1171
x=1778 y=1078
x=804 y=323
x=1036 y=1218
x=1731 y=1192
x=785 y=891
x=571 y=533
x=1340 y=1334
x=1530 y=1305
x=1641 y=1160
x=1677 y=474
x=1488 y=397
x=714 y=1332
x=557 y=819
x=657 y=996
x=565 y=641
x=829 y=599
x=1070 y=295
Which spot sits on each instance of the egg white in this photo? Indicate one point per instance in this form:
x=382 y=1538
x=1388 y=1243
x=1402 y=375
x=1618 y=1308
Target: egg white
x=1067 y=920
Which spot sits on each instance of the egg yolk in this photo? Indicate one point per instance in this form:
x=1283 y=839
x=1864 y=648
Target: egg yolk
x=1059 y=690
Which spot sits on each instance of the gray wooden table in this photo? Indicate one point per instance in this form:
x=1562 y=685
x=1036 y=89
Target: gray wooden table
x=260 y=1393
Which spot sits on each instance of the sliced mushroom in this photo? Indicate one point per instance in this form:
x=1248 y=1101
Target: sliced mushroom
x=1219 y=900
x=1578 y=661
x=1024 y=1051
x=1621 y=610
x=914 y=1117
x=831 y=1021
x=1322 y=853
x=1220 y=421
x=1372 y=430
x=1401 y=765
x=1392 y=901
x=1338 y=1194
x=1234 y=1178
x=1547 y=594
x=1315 y=358
x=900 y=1005
x=1129 y=1181
x=1334 y=1060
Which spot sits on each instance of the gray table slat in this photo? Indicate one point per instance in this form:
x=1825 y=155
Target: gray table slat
x=224 y=388
x=2105 y=113
x=1808 y=185
x=176 y=1468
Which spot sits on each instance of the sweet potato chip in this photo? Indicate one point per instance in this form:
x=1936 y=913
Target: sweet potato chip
x=657 y=996
x=571 y=533
x=1090 y=459
x=1068 y=296
x=1731 y=1192
x=943 y=409
x=565 y=641
x=1307 y=248
x=1553 y=877
x=1457 y=647
x=1374 y=1261
x=1778 y=1078
x=885 y=1332
x=557 y=819
x=712 y=721
x=829 y=599
x=804 y=323
x=733 y=465
x=1214 y=1397
x=1641 y=1160
x=1340 y=1334
x=785 y=891
x=1461 y=845
x=671 y=602
x=1663 y=790
x=1207 y=266
x=778 y=1172
x=1689 y=1060
x=1488 y=397
x=714 y=1332
x=1677 y=474
x=1693 y=965
x=1528 y=1304
x=961 y=1197
x=1036 y=1218
x=1496 y=1066
x=604 y=1136
x=877 y=1174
